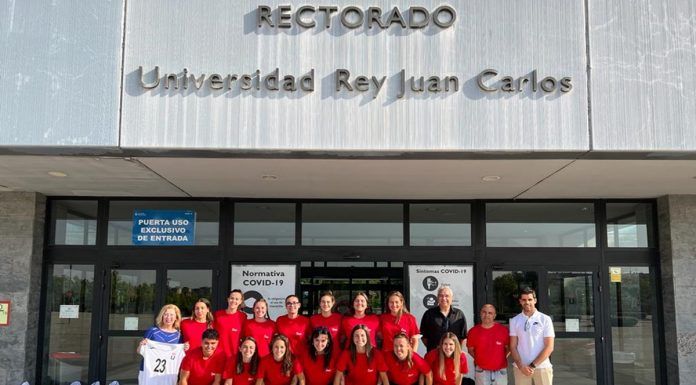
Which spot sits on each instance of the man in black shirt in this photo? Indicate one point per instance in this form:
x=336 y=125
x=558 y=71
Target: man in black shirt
x=442 y=319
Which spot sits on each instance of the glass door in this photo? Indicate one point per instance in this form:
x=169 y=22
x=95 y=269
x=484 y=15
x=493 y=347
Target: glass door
x=568 y=297
x=134 y=296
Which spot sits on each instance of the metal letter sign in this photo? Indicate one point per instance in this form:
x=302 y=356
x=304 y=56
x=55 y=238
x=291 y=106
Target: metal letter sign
x=164 y=227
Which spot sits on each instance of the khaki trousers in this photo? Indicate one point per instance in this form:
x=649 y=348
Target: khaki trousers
x=540 y=377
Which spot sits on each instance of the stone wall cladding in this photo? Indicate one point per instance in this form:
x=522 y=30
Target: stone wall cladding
x=677 y=225
x=22 y=217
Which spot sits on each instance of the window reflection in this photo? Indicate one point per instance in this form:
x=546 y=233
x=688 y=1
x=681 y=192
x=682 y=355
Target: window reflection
x=74 y=222
x=264 y=223
x=631 y=313
x=540 y=225
x=440 y=224
x=571 y=301
x=336 y=224
x=630 y=225
x=506 y=288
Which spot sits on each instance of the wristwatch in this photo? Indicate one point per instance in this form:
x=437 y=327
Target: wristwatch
x=531 y=365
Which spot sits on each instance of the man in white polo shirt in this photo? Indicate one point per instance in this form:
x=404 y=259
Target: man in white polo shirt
x=531 y=343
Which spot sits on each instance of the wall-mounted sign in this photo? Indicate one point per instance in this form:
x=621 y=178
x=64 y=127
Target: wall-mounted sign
x=4 y=313
x=164 y=227
x=271 y=282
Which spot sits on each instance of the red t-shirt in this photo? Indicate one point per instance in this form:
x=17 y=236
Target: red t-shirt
x=230 y=327
x=315 y=372
x=361 y=372
x=243 y=378
x=433 y=359
x=333 y=324
x=202 y=371
x=272 y=373
x=389 y=328
x=370 y=320
x=297 y=330
x=400 y=374
x=192 y=332
x=489 y=346
x=262 y=333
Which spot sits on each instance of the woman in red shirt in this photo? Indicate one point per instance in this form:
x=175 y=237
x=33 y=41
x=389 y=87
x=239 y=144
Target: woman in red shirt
x=398 y=321
x=359 y=316
x=294 y=325
x=447 y=361
x=201 y=319
x=229 y=323
x=319 y=362
x=363 y=363
x=279 y=368
x=261 y=327
x=242 y=369
x=329 y=320
x=404 y=366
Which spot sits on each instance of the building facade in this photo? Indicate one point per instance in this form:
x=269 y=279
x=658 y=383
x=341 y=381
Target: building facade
x=354 y=145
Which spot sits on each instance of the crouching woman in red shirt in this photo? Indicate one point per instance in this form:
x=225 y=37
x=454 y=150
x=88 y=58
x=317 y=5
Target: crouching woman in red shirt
x=318 y=361
x=279 y=367
x=406 y=367
x=242 y=368
x=364 y=363
x=447 y=361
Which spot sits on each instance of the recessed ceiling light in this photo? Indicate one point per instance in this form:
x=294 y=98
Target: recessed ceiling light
x=57 y=174
x=269 y=177
x=491 y=178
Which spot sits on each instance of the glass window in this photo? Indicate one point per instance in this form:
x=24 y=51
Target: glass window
x=74 y=222
x=631 y=311
x=69 y=292
x=440 y=224
x=123 y=363
x=577 y=358
x=132 y=302
x=630 y=225
x=338 y=224
x=571 y=301
x=540 y=225
x=264 y=224
x=185 y=287
x=121 y=217
x=506 y=288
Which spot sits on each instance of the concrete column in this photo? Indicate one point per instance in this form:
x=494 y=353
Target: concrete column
x=677 y=231
x=21 y=253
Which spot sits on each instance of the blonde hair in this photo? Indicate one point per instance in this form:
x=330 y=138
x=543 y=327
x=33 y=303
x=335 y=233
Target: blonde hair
x=456 y=356
x=409 y=356
x=177 y=312
x=403 y=309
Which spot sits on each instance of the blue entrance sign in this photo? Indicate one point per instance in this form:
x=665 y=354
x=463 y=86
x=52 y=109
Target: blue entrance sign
x=164 y=227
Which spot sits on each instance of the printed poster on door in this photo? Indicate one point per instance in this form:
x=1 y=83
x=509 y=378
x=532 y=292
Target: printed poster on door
x=425 y=280
x=271 y=282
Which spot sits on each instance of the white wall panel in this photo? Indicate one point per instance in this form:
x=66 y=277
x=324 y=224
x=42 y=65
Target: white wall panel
x=215 y=36
x=643 y=58
x=60 y=74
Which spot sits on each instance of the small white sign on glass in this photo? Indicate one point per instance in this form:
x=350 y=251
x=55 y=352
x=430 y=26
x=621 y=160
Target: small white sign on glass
x=130 y=323
x=69 y=312
x=572 y=325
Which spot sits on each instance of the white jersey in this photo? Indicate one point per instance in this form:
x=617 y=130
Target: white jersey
x=161 y=363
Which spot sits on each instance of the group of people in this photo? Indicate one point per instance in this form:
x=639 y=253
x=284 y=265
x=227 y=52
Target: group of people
x=333 y=349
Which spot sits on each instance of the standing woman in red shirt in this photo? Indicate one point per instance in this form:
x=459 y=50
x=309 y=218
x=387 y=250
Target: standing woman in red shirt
x=359 y=316
x=329 y=320
x=404 y=366
x=261 y=327
x=242 y=369
x=230 y=323
x=294 y=325
x=319 y=362
x=192 y=328
x=363 y=363
x=447 y=361
x=398 y=321
x=279 y=367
